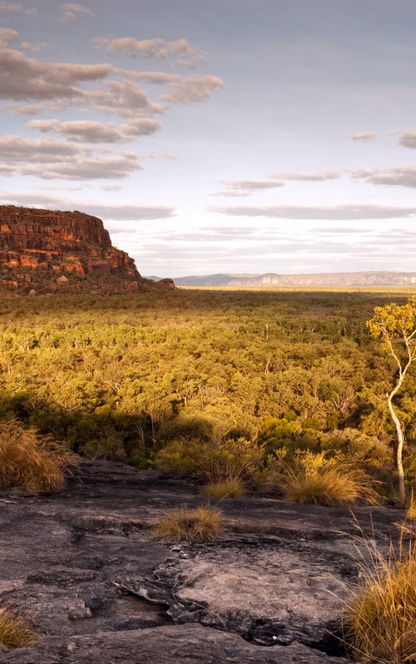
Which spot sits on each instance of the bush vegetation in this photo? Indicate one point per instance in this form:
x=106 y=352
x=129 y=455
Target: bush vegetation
x=15 y=632
x=191 y=525
x=30 y=462
x=213 y=461
x=125 y=377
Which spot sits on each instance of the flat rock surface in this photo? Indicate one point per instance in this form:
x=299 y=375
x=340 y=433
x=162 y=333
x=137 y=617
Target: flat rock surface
x=84 y=567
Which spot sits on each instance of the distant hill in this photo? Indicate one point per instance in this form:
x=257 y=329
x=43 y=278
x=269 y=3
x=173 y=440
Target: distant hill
x=340 y=279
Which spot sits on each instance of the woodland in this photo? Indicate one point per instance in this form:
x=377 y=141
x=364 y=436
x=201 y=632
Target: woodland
x=135 y=377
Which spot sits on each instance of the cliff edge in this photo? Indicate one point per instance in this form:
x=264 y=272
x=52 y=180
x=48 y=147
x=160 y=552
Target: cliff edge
x=48 y=250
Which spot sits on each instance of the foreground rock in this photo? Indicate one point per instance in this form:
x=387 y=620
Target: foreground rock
x=84 y=567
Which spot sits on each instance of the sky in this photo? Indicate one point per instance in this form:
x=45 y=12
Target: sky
x=233 y=136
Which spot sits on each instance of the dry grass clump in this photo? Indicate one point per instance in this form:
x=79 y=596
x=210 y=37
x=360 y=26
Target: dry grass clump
x=411 y=510
x=191 y=525
x=229 y=488
x=15 y=632
x=380 y=621
x=30 y=462
x=322 y=480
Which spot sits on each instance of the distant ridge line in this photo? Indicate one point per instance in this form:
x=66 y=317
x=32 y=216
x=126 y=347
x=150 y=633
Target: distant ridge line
x=341 y=279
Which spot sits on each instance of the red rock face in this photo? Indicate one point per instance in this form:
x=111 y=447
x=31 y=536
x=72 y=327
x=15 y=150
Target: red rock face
x=59 y=242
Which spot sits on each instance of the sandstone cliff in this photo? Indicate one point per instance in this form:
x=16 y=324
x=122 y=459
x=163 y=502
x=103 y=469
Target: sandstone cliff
x=45 y=250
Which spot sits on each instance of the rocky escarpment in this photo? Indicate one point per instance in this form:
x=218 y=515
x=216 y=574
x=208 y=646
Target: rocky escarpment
x=84 y=567
x=46 y=250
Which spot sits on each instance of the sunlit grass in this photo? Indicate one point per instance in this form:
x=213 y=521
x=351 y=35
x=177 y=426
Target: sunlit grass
x=15 y=632
x=30 y=462
x=190 y=525
x=379 y=622
x=229 y=488
x=317 y=479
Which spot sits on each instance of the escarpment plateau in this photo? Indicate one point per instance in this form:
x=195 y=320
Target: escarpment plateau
x=48 y=250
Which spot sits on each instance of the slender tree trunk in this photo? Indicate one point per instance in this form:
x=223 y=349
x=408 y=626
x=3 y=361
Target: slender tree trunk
x=400 y=443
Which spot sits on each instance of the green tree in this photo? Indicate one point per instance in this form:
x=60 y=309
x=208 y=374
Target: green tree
x=396 y=326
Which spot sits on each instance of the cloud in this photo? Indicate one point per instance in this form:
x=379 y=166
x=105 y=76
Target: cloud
x=191 y=89
x=15 y=149
x=160 y=49
x=140 y=127
x=124 y=98
x=17 y=8
x=307 y=177
x=113 y=212
x=252 y=185
x=56 y=86
x=23 y=78
x=408 y=139
x=7 y=36
x=336 y=212
x=246 y=187
x=35 y=47
x=87 y=168
x=404 y=176
x=111 y=187
x=50 y=158
x=72 y=11
x=86 y=131
x=362 y=136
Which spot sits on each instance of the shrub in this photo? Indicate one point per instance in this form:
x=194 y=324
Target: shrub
x=214 y=461
x=230 y=488
x=379 y=623
x=14 y=631
x=323 y=480
x=192 y=525
x=30 y=462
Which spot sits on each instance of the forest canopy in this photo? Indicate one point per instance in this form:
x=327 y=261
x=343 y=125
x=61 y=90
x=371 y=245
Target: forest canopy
x=123 y=376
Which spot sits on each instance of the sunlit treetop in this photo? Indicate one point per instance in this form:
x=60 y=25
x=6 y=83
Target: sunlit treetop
x=394 y=321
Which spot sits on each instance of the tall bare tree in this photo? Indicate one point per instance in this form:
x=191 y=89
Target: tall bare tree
x=396 y=326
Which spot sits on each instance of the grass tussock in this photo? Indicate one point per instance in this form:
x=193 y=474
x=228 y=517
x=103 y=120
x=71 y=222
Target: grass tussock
x=322 y=480
x=379 y=623
x=191 y=525
x=30 y=462
x=411 y=510
x=229 y=488
x=15 y=632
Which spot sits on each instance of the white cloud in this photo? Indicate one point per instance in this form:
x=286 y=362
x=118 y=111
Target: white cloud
x=56 y=86
x=95 y=167
x=362 y=136
x=113 y=212
x=7 y=36
x=35 y=47
x=307 y=177
x=160 y=49
x=246 y=187
x=15 y=149
x=408 y=139
x=404 y=176
x=86 y=131
x=191 y=89
x=72 y=11
x=16 y=8
x=51 y=158
x=335 y=212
